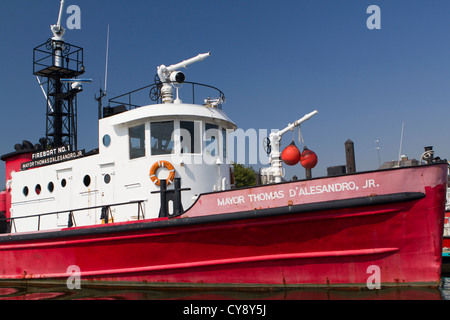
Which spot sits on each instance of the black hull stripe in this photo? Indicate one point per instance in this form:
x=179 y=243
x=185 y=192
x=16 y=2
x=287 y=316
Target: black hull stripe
x=180 y=222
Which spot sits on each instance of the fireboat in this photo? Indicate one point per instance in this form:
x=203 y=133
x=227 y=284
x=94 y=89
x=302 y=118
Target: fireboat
x=155 y=205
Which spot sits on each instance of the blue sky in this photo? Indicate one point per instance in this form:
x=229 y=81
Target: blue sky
x=274 y=60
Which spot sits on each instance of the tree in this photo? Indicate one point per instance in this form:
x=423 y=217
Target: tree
x=244 y=176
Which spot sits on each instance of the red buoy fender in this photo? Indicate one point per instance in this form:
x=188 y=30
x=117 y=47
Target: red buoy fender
x=308 y=159
x=291 y=155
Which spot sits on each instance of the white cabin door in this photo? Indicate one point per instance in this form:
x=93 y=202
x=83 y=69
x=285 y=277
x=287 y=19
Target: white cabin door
x=106 y=183
x=63 y=186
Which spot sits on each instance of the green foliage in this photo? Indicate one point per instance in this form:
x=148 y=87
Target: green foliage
x=244 y=176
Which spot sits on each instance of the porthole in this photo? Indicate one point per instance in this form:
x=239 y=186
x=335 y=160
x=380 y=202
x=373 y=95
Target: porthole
x=63 y=183
x=25 y=191
x=50 y=186
x=87 y=180
x=106 y=140
x=107 y=178
x=38 y=189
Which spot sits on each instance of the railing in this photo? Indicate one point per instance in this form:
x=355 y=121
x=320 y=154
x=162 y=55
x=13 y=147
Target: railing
x=153 y=92
x=71 y=219
x=72 y=59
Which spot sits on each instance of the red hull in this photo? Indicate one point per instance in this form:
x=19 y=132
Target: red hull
x=330 y=240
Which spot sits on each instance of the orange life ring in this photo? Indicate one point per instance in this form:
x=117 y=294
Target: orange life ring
x=156 y=166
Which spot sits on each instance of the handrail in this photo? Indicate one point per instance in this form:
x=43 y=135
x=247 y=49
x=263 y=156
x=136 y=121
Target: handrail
x=154 y=89
x=43 y=58
x=71 y=211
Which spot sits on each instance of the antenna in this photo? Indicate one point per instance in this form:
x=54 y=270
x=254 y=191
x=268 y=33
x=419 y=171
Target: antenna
x=401 y=143
x=378 y=151
x=106 y=65
x=102 y=93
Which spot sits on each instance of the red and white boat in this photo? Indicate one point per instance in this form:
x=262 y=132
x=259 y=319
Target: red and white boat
x=155 y=204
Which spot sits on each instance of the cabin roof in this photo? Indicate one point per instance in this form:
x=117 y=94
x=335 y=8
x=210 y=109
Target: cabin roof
x=173 y=110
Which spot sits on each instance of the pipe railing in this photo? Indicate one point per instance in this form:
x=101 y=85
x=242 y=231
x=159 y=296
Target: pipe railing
x=71 y=218
x=154 y=93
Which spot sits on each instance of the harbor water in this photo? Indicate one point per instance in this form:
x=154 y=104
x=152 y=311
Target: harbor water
x=34 y=292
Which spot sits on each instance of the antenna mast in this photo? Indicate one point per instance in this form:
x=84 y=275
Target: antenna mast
x=378 y=152
x=56 y=60
x=106 y=64
x=102 y=93
x=401 y=144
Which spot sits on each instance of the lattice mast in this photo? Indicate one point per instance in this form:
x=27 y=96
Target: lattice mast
x=56 y=64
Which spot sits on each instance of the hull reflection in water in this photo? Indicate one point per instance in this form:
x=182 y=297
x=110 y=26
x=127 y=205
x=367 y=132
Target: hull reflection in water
x=63 y=293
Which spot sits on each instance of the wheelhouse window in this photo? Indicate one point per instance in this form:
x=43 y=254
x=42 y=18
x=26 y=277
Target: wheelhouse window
x=190 y=138
x=211 y=139
x=137 y=141
x=162 y=137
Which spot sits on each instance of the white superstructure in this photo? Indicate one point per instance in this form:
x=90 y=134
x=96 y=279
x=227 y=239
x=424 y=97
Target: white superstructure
x=190 y=137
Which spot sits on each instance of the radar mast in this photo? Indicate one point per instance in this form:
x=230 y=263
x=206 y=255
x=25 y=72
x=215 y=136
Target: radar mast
x=53 y=61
